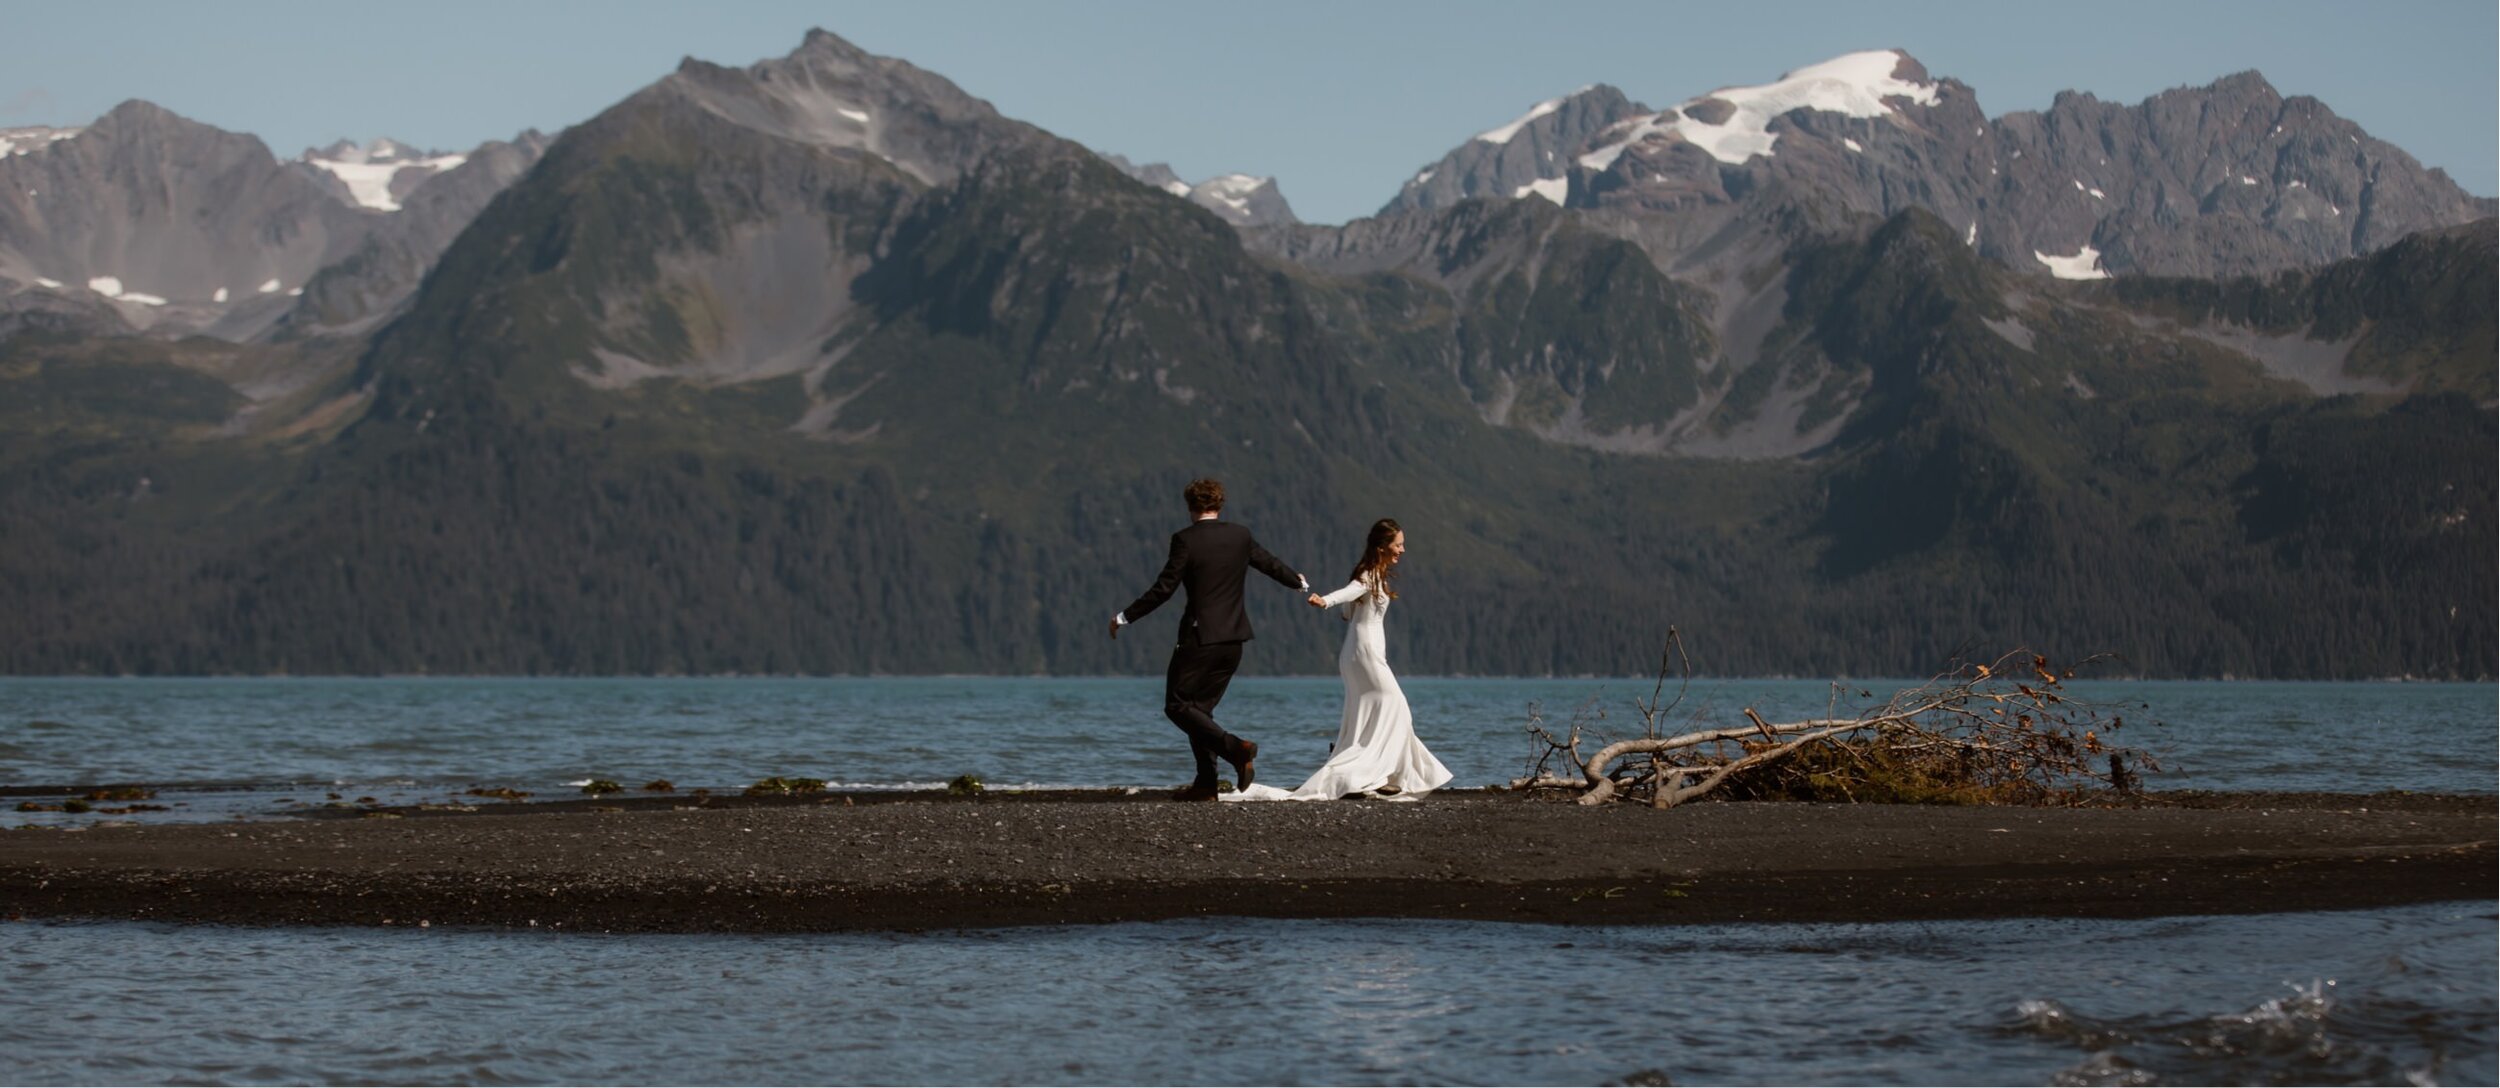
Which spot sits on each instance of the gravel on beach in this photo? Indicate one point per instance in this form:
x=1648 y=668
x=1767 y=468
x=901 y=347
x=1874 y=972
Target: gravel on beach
x=849 y=862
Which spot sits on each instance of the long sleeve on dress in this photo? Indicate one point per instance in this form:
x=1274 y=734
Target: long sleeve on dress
x=1352 y=592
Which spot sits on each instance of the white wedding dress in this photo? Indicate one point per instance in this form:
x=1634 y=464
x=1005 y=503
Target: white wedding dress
x=1376 y=743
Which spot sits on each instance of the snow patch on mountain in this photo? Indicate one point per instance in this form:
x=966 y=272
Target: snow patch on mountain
x=1854 y=85
x=33 y=138
x=1554 y=189
x=2085 y=265
x=1241 y=199
x=1503 y=134
x=1231 y=191
x=111 y=287
x=802 y=104
x=370 y=171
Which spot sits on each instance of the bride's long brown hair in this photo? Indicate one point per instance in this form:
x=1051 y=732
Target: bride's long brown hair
x=1375 y=564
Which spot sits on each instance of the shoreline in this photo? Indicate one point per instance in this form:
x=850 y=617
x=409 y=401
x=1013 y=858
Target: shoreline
x=920 y=861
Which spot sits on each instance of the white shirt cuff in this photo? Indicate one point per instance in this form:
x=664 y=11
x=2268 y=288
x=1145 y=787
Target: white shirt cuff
x=1119 y=619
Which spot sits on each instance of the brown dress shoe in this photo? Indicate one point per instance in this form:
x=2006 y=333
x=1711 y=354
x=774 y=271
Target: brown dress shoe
x=1194 y=793
x=1245 y=761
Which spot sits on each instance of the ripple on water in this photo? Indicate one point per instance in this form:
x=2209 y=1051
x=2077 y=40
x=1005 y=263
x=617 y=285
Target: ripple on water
x=2384 y=995
x=2315 y=1033
x=529 y=733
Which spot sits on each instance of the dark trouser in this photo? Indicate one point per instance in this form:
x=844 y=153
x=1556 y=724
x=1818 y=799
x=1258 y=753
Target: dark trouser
x=1192 y=685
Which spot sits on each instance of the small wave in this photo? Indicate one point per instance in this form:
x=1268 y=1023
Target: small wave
x=2104 y=1068
x=2305 y=1036
x=2295 y=1022
x=2051 y=1020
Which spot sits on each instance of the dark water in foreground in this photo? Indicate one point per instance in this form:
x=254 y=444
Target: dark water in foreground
x=2387 y=996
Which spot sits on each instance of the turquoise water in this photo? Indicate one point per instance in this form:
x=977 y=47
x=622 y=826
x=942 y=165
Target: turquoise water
x=219 y=747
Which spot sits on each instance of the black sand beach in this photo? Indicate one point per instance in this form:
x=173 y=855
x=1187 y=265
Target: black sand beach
x=909 y=862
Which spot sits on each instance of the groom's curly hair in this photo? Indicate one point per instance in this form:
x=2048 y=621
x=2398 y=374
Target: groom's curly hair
x=1203 y=495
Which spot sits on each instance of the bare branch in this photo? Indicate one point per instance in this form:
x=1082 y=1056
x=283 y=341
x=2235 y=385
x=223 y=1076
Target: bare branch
x=1994 y=731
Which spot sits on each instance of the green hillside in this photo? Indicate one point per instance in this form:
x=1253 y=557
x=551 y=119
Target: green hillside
x=1034 y=357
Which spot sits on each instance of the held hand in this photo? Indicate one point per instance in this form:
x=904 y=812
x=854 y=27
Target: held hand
x=1316 y=601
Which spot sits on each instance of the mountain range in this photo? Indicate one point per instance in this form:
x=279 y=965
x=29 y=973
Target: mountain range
x=823 y=365
x=1238 y=199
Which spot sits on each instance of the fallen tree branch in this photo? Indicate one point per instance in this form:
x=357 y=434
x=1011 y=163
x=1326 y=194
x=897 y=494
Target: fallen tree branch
x=1934 y=741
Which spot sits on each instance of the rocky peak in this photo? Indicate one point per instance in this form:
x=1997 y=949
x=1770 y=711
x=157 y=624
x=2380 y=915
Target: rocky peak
x=382 y=149
x=824 y=45
x=1530 y=156
x=1240 y=199
x=1735 y=125
x=831 y=93
x=2228 y=178
x=140 y=126
x=140 y=115
x=378 y=175
x=1243 y=200
x=174 y=224
x=435 y=196
x=177 y=227
x=2244 y=84
x=1159 y=175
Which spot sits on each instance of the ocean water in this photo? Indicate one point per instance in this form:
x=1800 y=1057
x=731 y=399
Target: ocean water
x=2401 y=995
x=2370 y=997
x=223 y=748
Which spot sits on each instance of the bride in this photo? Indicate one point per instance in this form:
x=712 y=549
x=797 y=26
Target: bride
x=1376 y=751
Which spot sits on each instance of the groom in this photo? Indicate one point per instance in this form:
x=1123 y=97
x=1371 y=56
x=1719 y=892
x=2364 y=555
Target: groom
x=1210 y=558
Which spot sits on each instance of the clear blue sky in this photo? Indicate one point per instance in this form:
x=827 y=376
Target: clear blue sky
x=1340 y=100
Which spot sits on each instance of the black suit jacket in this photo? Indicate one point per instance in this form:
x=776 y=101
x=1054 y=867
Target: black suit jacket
x=1211 y=558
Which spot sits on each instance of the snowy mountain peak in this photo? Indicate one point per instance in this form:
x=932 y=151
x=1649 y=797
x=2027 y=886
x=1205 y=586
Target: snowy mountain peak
x=1733 y=124
x=1503 y=134
x=378 y=174
x=1241 y=199
x=1233 y=186
x=1530 y=156
x=1157 y=174
x=381 y=150
x=32 y=138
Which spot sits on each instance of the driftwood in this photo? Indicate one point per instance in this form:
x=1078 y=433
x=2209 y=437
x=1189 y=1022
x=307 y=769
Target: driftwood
x=2003 y=730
